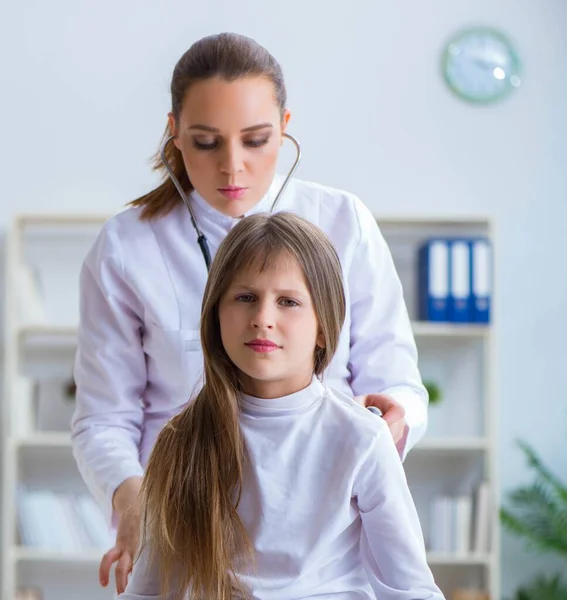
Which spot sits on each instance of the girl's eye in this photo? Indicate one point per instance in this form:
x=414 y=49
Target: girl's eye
x=288 y=302
x=245 y=298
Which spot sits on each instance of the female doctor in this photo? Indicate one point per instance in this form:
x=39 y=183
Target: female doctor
x=139 y=356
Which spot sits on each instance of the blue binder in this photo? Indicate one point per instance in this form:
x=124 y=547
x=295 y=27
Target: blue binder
x=460 y=302
x=481 y=279
x=433 y=280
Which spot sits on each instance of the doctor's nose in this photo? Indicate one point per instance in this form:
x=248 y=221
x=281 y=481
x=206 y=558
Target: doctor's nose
x=232 y=160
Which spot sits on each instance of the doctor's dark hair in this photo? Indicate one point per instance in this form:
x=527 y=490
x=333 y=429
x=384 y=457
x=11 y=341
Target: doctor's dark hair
x=194 y=477
x=226 y=55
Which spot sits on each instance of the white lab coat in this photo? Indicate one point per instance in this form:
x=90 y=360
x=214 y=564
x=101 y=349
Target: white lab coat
x=139 y=357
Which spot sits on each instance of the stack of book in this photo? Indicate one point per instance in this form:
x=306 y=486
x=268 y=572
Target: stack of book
x=61 y=522
x=455 y=280
x=460 y=525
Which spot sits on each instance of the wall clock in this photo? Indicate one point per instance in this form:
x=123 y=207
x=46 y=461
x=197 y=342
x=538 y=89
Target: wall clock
x=480 y=65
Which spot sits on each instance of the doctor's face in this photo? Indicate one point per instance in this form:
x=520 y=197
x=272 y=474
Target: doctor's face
x=269 y=329
x=230 y=134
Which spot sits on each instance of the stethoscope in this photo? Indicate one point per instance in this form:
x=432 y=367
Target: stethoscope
x=201 y=239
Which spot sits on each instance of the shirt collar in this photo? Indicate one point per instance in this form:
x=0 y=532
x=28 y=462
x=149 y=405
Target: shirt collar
x=292 y=403
x=206 y=211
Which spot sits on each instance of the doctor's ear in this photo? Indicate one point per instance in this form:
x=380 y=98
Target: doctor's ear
x=285 y=120
x=172 y=125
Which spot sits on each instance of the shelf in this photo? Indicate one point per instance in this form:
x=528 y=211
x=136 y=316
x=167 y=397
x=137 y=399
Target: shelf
x=433 y=329
x=457 y=444
x=63 y=440
x=46 y=351
x=427 y=220
x=44 y=439
x=66 y=334
x=44 y=335
x=434 y=558
x=30 y=554
x=54 y=219
x=420 y=329
x=22 y=553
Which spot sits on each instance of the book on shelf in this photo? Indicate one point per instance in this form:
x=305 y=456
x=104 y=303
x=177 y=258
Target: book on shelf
x=454 y=280
x=459 y=525
x=61 y=522
x=31 y=304
x=482 y=529
x=28 y=593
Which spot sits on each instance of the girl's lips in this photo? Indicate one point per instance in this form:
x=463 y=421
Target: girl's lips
x=262 y=346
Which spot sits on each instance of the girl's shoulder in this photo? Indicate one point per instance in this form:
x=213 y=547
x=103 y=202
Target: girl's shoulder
x=357 y=423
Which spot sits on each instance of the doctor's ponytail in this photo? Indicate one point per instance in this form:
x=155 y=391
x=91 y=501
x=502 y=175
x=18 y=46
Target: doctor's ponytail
x=194 y=476
x=229 y=56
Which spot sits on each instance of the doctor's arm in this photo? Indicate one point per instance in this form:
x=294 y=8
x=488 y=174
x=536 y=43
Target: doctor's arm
x=391 y=545
x=110 y=374
x=383 y=353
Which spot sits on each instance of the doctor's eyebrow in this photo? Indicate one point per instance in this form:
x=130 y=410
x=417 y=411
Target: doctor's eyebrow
x=201 y=127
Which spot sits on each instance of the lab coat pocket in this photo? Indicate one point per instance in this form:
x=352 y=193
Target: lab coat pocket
x=174 y=362
x=192 y=361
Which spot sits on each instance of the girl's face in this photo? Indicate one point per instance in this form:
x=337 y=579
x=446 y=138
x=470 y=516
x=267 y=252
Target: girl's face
x=230 y=134
x=269 y=329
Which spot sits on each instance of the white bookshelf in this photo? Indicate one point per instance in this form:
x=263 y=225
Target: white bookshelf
x=473 y=560
x=43 y=258
x=423 y=329
x=33 y=555
x=457 y=451
x=54 y=439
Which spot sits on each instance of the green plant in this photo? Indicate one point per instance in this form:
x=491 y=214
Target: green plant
x=538 y=514
x=543 y=588
x=70 y=389
x=434 y=392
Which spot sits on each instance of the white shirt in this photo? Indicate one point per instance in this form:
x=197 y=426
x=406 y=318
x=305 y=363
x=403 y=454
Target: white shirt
x=139 y=357
x=325 y=503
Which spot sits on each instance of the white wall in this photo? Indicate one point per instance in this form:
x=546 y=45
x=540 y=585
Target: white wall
x=85 y=95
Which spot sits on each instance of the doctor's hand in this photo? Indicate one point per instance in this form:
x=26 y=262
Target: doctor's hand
x=392 y=412
x=126 y=502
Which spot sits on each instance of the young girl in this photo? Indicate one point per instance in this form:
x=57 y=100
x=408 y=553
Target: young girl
x=270 y=485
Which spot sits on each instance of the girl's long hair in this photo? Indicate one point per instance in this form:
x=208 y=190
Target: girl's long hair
x=194 y=476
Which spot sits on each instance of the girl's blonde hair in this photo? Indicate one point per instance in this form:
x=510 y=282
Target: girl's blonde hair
x=194 y=476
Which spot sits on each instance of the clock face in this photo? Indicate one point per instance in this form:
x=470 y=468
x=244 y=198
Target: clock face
x=480 y=65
